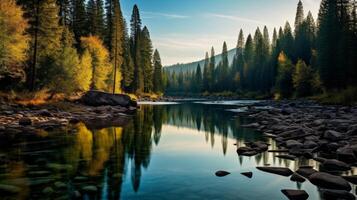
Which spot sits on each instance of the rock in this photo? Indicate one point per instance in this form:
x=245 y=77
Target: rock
x=222 y=173
x=40 y=181
x=48 y=191
x=9 y=189
x=59 y=167
x=96 y=98
x=295 y=194
x=306 y=172
x=337 y=194
x=249 y=153
x=38 y=173
x=76 y=195
x=289 y=157
x=320 y=159
x=328 y=181
x=309 y=144
x=297 y=178
x=318 y=122
x=277 y=170
x=90 y=189
x=45 y=113
x=346 y=154
x=260 y=146
x=252 y=125
x=287 y=111
x=60 y=185
x=80 y=179
x=25 y=121
x=335 y=165
x=247 y=174
x=333 y=135
x=351 y=179
x=293 y=144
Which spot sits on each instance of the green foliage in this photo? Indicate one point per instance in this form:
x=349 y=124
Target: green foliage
x=303 y=79
x=157 y=79
x=284 y=81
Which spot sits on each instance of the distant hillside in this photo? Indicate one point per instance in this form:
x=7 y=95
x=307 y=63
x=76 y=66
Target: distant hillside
x=193 y=66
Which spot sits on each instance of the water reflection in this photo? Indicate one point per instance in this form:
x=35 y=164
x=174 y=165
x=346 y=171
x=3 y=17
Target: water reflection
x=147 y=158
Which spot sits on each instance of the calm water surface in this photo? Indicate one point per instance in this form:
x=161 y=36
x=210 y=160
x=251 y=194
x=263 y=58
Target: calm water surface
x=164 y=152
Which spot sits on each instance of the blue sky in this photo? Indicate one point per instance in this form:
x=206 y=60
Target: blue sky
x=183 y=30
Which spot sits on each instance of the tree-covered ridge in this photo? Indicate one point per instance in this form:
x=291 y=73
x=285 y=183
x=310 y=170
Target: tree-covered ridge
x=68 y=46
x=313 y=57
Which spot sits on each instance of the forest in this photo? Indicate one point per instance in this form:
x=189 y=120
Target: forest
x=70 y=46
x=317 y=57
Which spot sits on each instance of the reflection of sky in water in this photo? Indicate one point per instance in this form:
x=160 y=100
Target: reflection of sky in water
x=164 y=152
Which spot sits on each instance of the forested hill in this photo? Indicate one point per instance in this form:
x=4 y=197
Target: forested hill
x=193 y=65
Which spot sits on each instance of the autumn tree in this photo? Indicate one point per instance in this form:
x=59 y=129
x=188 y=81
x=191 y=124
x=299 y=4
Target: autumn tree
x=13 y=40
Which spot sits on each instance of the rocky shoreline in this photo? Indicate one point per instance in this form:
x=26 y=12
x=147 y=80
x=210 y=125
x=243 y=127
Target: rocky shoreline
x=327 y=134
x=96 y=110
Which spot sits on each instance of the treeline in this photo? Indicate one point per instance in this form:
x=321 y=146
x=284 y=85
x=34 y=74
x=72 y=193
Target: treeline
x=69 y=46
x=311 y=59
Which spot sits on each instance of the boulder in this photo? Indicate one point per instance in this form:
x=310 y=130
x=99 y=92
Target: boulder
x=252 y=125
x=297 y=178
x=346 y=154
x=222 y=173
x=306 y=171
x=9 y=189
x=295 y=194
x=328 y=181
x=288 y=157
x=335 y=165
x=333 y=135
x=351 y=179
x=337 y=194
x=25 y=121
x=309 y=144
x=293 y=144
x=90 y=189
x=277 y=170
x=96 y=98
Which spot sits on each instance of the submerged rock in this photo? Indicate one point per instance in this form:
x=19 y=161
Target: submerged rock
x=247 y=174
x=328 y=181
x=295 y=194
x=277 y=170
x=222 y=173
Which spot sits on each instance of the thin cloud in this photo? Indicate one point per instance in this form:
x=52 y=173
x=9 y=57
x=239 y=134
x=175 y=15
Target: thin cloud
x=236 y=18
x=166 y=15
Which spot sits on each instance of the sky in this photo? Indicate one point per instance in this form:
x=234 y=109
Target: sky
x=183 y=30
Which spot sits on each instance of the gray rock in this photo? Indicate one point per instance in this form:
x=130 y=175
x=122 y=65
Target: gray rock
x=333 y=135
x=297 y=178
x=351 y=179
x=346 y=154
x=48 y=191
x=328 y=181
x=222 y=173
x=277 y=170
x=60 y=185
x=289 y=157
x=337 y=194
x=293 y=144
x=309 y=145
x=332 y=165
x=252 y=125
x=306 y=172
x=295 y=194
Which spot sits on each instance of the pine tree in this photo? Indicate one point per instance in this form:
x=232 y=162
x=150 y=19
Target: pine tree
x=249 y=58
x=127 y=67
x=275 y=39
x=212 y=66
x=223 y=70
x=198 y=79
x=157 y=79
x=284 y=82
x=238 y=62
x=138 y=83
x=95 y=12
x=117 y=44
x=303 y=79
x=299 y=16
x=65 y=12
x=79 y=26
x=206 y=73
x=146 y=51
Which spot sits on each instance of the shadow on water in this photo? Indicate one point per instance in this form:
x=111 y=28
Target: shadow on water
x=160 y=154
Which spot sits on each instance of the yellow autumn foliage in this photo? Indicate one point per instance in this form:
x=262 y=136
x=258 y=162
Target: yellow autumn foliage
x=13 y=40
x=101 y=66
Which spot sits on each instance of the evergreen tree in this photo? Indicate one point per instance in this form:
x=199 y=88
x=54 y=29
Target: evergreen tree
x=65 y=12
x=275 y=39
x=198 y=79
x=95 y=12
x=138 y=83
x=157 y=80
x=146 y=51
x=299 y=16
x=284 y=82
x=212 y=66
x=206 y=73
x=127 y=67
x=303 y=79
x=223 y=69
x=79 y=22
x=249 y=58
